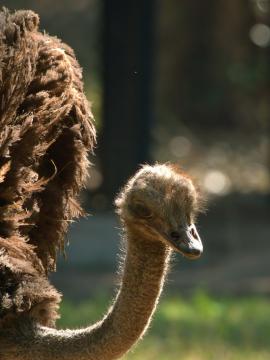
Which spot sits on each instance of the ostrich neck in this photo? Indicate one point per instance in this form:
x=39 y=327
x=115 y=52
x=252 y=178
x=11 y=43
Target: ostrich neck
x=143 y=277
x=145 y=267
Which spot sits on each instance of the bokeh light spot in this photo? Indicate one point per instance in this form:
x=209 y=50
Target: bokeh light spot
x=216 y=182
x=260 y=35
x=180 y=146
x=263 y=5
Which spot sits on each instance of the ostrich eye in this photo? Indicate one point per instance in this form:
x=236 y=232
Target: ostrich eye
x=142 y=211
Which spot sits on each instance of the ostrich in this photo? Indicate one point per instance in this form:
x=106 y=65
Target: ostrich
x=46 y=131
x=157 y=209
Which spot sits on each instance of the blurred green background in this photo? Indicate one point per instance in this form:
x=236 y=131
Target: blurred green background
x=187 y=82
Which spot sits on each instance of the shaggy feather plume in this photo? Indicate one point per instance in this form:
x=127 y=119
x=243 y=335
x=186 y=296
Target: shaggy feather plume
x=46 y=132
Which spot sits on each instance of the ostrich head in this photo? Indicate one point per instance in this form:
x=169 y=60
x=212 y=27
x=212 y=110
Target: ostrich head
x=160 y=203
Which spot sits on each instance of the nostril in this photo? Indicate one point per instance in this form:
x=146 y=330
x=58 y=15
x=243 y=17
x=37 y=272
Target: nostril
x=194 y=234
x=175 y=235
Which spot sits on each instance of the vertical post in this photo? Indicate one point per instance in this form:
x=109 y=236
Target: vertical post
x=127 y=103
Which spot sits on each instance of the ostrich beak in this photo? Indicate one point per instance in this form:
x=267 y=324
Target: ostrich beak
x=187 y=242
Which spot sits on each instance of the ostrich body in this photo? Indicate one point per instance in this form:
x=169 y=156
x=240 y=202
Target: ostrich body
x=45 y=134
x=156 y=208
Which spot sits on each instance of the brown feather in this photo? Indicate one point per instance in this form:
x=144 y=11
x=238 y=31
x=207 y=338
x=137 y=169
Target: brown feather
x=46 y=132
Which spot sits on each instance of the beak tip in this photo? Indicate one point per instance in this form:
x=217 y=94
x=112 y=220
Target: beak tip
x=188 y=243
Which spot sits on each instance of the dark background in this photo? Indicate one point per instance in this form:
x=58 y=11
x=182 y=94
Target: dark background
x=186 y=82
